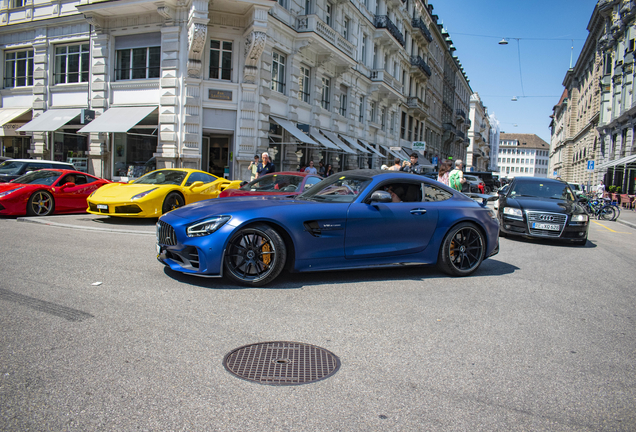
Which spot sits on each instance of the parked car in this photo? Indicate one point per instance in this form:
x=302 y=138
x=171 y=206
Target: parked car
x=45 y=192
x=4 y=158
x=155 y=193
x=490 y=183
x=540 y=207
x=281 y=183
x=476 y=184
x=14 y=168
x=577 y=189
x=356 y=219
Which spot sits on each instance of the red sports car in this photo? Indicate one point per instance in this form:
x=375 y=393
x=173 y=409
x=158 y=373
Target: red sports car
x=48 y=191
x=288 y=183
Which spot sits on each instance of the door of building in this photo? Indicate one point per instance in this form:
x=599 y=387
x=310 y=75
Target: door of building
x=219 y=156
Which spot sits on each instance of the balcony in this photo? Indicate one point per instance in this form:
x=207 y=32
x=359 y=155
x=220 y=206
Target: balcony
x=383 y=22
x=461 y=115
x=461 y=135
x=416 y=106
x=387 y=85
x=417 y=23
x=419 y=65
x=313 y=24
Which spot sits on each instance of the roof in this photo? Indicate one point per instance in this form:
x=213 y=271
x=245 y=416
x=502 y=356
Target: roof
x=531 y=141
x=529 y=179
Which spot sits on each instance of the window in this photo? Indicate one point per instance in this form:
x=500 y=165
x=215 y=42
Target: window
x=392 y=123
x=71 y=63
x=343 y=100
x=324 y=97
x=345 y=28
x=283 y=3
x=433 y=193
x=199 y=176
x=138 y=63
x=364 y=49
x=403 y=126
x=361 y=110
x=278 y=72
x=221 y=60
x=18 y=69
x=303 y=84
x=383 y=118
x=16 y=4
x=373 y=112
x=328 y=13
x=410 y=128
x=308 y=7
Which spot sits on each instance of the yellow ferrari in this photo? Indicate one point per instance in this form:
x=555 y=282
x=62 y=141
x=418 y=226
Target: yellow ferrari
x=155 y=193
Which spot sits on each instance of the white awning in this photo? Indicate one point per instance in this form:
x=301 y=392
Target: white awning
x=8 y=114
x=337 y=141
x=394 y=153
x=297 y=133
x=370 y=147
x=622 y=161
x=352 y=142
x=118 y=119
x=50 y=120
x=322 y=140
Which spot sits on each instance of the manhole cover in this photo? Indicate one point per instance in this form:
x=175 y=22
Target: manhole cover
x=281 y=363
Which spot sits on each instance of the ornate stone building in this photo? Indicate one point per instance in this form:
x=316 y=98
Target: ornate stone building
x=478 y=153
x=125 y=86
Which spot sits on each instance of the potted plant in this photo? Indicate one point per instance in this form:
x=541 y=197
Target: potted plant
x=618 y=189
x=612 y=189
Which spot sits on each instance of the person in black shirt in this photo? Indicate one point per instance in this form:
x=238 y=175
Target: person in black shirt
x=413 y=165
x=265 y=167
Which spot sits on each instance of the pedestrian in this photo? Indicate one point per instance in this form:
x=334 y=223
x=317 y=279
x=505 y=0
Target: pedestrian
x=444 y=172
x=411 y=166
x=456 y=177
x=266 y=166
x=600 y=190
x=311 y=169
x=253 y=168
x=328 y=171
x=321 y=168
x=396 y=165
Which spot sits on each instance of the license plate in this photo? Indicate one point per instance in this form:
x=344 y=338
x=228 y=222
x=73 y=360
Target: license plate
x=102 y=207
x=549 y=227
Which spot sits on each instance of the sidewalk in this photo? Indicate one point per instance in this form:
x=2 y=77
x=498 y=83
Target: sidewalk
x=627 y=217
x=97 y=223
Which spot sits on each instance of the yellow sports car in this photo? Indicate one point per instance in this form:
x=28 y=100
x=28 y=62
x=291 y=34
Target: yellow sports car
x=155 y=193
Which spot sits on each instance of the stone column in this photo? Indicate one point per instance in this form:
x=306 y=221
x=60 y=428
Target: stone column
x=39 y=148
x=98 y=149
x=168 y=145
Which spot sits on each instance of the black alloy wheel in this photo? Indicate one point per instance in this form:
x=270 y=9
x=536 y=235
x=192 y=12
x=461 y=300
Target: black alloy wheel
x=255 y=256
x=173 y=200
x=41 y=203
x=463 y=250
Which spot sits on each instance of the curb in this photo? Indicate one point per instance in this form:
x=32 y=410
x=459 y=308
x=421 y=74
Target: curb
x=629 y=224
x=79 y=227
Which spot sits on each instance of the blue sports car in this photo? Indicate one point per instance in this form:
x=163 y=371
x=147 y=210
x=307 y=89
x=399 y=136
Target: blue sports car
x=351 y=220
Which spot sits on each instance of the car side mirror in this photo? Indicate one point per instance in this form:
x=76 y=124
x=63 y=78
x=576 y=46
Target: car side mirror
x=380 y=197
x=68 y=185
x=196 y=184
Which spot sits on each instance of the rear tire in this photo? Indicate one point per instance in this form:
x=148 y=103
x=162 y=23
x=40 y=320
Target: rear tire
x=173 y=200
x=41 y=203
x=607 y=213
x=463 y=250
x=255 y=256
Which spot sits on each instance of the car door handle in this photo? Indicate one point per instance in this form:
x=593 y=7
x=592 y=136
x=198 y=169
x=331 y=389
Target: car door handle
x=419 y=211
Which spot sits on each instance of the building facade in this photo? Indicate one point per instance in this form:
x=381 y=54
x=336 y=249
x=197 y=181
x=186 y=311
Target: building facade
x=522 y=155
x=495 y=132
x=479 y=135
x=125 y=86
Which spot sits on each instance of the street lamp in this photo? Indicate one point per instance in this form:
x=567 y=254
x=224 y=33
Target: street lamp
x=514 y=99
x=503 y=41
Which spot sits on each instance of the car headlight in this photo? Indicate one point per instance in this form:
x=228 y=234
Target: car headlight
x=579 y=218
x=143 y=194
x=514 y=212
x=3 y=194
x=207 y=226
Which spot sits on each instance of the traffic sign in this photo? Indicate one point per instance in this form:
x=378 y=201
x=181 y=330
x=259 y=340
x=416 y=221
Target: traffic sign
x=434 y=160
x=590 y=165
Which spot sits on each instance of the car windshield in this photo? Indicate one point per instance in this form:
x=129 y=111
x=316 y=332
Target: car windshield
x=542 y=190
x=10 y=167
x=575 y=187
x=41 y=177
x=340 y=189
x=274 y=183
x=163 y=177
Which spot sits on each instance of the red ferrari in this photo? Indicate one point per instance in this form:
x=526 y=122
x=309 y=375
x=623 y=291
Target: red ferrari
x=288 y=183
x=48 y=191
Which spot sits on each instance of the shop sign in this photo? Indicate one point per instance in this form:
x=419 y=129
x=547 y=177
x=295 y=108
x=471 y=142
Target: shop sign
x=10 y=129
x=86 y=116
x=225 y=95
x=419 y=145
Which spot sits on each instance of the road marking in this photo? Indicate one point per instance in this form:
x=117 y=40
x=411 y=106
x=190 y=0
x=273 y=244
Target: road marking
x=604 y=226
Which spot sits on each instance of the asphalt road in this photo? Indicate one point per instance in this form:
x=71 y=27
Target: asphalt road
x=542 y=337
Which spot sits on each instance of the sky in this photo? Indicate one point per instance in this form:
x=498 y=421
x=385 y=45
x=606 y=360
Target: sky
x=476 y=27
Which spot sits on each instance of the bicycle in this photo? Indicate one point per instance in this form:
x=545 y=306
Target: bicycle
x=601 y=208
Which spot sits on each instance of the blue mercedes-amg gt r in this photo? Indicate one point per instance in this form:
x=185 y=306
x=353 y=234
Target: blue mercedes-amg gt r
x=351 y=220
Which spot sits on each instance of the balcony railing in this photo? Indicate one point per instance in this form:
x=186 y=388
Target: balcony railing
x=418 y=23
x=461 y=113
x=420 y=63
x=461 y=134
x=311 y=23
x=383 y=21
x=384 y=76
x=415 y=102
x=450 y=127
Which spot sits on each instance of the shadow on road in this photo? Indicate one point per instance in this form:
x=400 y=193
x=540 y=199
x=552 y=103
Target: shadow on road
x=548 y=242
x=117 y=221
x=286 y=280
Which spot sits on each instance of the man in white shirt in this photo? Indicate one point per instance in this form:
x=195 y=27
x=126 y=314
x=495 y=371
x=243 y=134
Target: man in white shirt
x=600 y=189
x=311 y=169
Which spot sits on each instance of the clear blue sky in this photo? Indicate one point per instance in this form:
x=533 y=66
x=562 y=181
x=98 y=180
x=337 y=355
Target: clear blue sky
x=493 y=70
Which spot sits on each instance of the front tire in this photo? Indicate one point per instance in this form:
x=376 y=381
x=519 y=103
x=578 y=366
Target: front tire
x=463 y=250
x=607 y=213
x=41 y=203
x=255 y=256
x=173 y=200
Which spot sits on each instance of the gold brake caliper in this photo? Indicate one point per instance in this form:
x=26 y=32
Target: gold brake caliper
x=266 y=248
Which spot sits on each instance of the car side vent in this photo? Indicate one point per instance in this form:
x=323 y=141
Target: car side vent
x=313 y=228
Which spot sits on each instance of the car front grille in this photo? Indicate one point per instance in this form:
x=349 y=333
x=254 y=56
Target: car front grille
x=187 y=258
x=131 y=208
x=166 y=234
x=549 y=218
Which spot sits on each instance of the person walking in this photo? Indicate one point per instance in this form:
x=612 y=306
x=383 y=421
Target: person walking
x=253 y=168
x=456 y=177
x=600 y=190
x=444 y=172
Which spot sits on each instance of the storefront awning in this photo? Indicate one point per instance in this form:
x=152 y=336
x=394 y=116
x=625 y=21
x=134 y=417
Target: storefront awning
x=337 y=141
x=370 y=147
x=394 y=153
x=622 y=161
x=315 y=134
x=118 y=119
x=297 y=133
x=352 y=142
x=8 y=114
x=50 y=120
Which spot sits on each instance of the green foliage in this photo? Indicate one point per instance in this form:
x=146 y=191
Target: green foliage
x=618 y=189
x=612 y=189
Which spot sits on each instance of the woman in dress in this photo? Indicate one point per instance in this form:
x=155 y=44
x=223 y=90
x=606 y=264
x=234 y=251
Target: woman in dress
x=443 y=173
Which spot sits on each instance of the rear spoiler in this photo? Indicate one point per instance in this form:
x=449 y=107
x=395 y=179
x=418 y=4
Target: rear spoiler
x=484 y=198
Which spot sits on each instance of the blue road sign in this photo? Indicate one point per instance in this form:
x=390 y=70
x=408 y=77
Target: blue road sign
x=434 y=161
x=590 y=165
